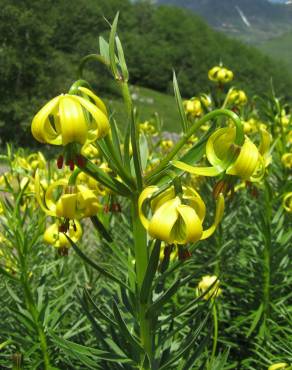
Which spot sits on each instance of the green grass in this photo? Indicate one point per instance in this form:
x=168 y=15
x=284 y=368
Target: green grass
x=279 y=48
x=148 y=103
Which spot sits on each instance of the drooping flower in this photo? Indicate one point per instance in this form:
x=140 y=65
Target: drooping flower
x=58 y=239
x=247 y=162
x=71 y=119
x=210 y=283
x=177 y=219
x=287 y=160
x=287 y=202
x=237 y=97
x=220 y=74
x=75 y=202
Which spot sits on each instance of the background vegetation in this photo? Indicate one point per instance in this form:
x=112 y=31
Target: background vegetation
x=42 y=42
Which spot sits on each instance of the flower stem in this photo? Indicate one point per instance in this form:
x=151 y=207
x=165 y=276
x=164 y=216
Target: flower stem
x=267 y=213
x=215 y=335
x=142 y=258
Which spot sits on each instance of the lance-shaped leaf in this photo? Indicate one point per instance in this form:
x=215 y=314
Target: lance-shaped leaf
x=122 y=60
x=99 y=310
x=88 y=356
x=137 y=350
x=104 y=49
x=101 y=228
x=186 y=345
x=150 y=272
x=98 y=174
x=116 y=137
x=136 y=150
x=112 y=54
x=164 y=298
x=179 y=103
x=97 y=267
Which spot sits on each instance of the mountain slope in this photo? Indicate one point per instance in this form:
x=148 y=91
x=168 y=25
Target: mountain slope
x=250 y=20
x=279 y=48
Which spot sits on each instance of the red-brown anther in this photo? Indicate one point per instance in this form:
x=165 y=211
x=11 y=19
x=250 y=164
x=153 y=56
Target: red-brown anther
x=80 y=161
x=71 y=164
x=183 y=254
x=106 y=208
x=74 y=226
x=60 y=162
x=62 y=228
x=235 y=109
x=219 y=188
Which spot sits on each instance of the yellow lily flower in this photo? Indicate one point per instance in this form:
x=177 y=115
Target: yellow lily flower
x=147 y=128
x=278 y=366
x=65 y=119
x=247 y=162
x=206 y=282
x=166 y=145
x=287 y=202
x=76 y=201
x=193 y=107
x=57 y=239
x=287 y=160
x=220 y=74
x=177 y=220
x=237 y=97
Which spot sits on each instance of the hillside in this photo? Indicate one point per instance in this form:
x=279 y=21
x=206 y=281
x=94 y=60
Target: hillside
x=279 y=48
x=42 y=50
x=148 y=103
x=249 y=20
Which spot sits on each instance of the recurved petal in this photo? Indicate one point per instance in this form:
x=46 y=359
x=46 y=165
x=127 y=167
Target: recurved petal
x=246 y=162
x=41 y=127
x=163 y=220
x=99 y=103
x=220 y=205
x=190 y=229
x=195 y=200
x=39 y=197
x=50 y=202
x=202 y=171
x=146 y=193
x=72 y=121
x=219 y=148
x=87 y=201
x=265 y=142
x=66 y=206
x=101 y=126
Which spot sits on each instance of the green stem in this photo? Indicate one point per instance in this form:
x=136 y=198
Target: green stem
x=126 y=96
x=142 y=258
x=215 y=335
x=88 y=58
x=208 y=117
x=267 y=213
